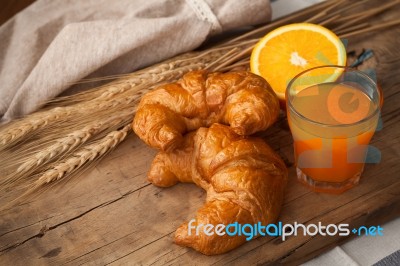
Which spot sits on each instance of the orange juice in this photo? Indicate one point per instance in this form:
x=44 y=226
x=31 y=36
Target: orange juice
x=331 y=128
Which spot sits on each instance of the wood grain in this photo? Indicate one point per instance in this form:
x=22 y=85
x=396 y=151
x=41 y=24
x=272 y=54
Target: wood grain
x=112 y=215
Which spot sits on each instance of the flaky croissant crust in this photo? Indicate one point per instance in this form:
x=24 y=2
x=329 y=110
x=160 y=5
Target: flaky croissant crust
x=243 y=177
x=242 y=100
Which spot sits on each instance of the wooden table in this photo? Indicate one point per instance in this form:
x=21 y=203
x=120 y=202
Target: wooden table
x=112 y=215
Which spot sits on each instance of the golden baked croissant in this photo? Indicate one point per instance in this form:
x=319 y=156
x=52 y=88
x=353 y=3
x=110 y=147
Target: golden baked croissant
x=244 y=179
x=242 y=100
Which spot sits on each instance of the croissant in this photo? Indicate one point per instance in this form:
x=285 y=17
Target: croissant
x=242 y=100
x=244 y=179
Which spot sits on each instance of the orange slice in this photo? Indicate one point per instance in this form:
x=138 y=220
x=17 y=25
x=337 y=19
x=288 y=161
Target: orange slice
x=288 y=50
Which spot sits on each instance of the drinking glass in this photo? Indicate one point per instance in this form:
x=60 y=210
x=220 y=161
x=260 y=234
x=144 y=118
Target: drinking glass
x=333 y=112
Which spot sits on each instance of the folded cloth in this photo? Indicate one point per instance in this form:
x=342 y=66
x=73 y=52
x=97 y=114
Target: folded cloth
x=55 y=43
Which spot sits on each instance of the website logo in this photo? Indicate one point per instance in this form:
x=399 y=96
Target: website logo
x=283 y=230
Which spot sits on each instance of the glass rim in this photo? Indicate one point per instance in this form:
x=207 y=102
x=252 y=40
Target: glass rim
x=291 y=107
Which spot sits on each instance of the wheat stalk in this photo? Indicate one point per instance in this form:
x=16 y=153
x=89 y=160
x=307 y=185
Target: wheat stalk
x=71 y=164
x=21 y=128
x=81 y=157
x=64 y=145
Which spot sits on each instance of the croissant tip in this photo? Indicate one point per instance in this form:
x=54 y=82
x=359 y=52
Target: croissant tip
x=181 y=238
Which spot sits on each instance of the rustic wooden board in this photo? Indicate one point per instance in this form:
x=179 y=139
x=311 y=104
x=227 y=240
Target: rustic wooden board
x=112 y=215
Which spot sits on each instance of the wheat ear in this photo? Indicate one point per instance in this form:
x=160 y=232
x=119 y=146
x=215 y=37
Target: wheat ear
x=83 y=156
x=71 y=164
x=66 y=144
x=21 y=128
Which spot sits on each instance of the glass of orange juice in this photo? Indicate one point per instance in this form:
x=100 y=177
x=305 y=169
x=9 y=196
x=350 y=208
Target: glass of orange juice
x=333 y=112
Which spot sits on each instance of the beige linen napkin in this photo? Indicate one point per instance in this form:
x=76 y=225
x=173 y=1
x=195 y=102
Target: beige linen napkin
x=54 y=43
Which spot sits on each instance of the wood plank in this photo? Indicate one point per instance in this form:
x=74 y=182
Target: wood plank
x=95 y=236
